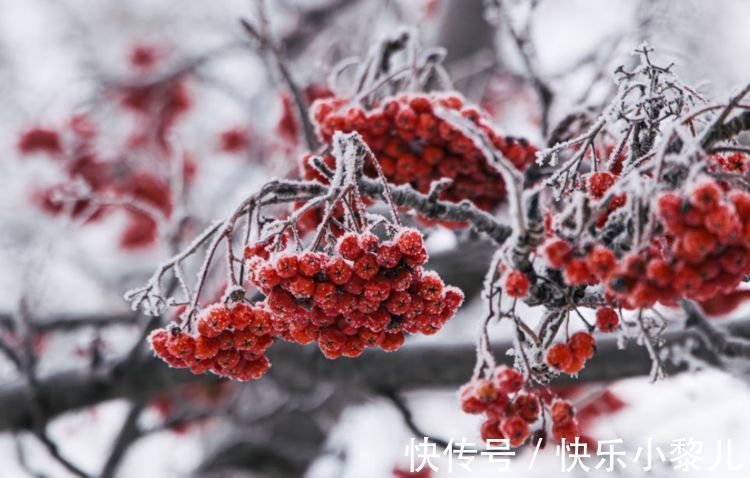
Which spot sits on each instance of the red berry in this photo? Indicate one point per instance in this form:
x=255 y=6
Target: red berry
x=516 y=429
x=598 y=183
x=559 y=356
x=509 y=380
x=349 y=248
x=388 y=255
x=601 y=262
x=607 y=319
x=366 y=267
x=582 y=345
x=287 y=266
x=705 y=194
x=525 y=406
x=516 y=284
x=302 y=287
x=490 y=430
x=338 y=271
x=577 y=272
x=392 y=342
x=430 y=287
x=562 y=412
x=310 y=263
x=557 y=252
x=410 y=242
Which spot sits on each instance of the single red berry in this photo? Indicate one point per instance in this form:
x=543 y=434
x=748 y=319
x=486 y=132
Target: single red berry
x=525 y=406
x=158 y=340
x=577 y=272
x=516 y=284
x=430 y=287
x=311 y=263
x=389 y=255
x=213 y=320
x=302 y=287
x=266 y=277
x=338 y=271
x=559 y=356
x=349 y=248
x=607 y=319
x=366 y=267
x=582 y=344
x=181 y=345
x=509 y=380
x=557 y=252
x=240 y=316
x=659 y=272
x=705 y=194
x=470 y=403
x=598 y=183
x=516 y=429
x=410 y=242
x=287 y=266
x=601 y=261
x=562 y=412
x=490 y=430
x=392 y=342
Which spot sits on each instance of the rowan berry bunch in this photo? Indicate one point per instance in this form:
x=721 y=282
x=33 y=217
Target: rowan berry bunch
x=699 y=249
x=510 y=410
x=570 y=357
x=367 y=293
x=732 y=163
x=417 y=143
x=228 y=341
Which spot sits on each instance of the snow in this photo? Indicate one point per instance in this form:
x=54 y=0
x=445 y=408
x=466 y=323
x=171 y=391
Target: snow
x=46 y=70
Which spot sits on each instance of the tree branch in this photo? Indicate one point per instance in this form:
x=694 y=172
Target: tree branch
x=414 y=367
x=716 y=340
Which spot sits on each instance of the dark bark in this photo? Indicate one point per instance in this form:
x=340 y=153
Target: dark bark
x=415 y=367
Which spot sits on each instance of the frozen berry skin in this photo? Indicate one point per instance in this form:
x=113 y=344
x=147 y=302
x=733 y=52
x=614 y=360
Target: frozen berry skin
x=410 y=242
x=582 y=344
x=509 y=380
x=516 y=429
x=516 y=284
x=559 y=356
x=557 y=252
x=607 y=319
x=349 y=247
x=598 y=183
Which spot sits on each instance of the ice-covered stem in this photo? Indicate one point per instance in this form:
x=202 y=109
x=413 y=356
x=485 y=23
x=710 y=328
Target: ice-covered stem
x=153 y=301
x=150 y=296
x=716 y=340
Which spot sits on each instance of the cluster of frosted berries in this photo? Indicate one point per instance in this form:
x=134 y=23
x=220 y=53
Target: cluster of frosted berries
x=367 y=294
x=701 y=250
x=509 y=410
x=229 y=342
x=415 y=145
x=570 y=357
x=564 y=421
x=733 y=163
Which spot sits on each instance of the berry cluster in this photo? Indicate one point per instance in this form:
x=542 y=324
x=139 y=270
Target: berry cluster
x=368 y=294
x=230 y=342
x=700 y=249
x=509 y=410
x=571 y=357
x=414 y=145
x=564 y=421
x=733 y=163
